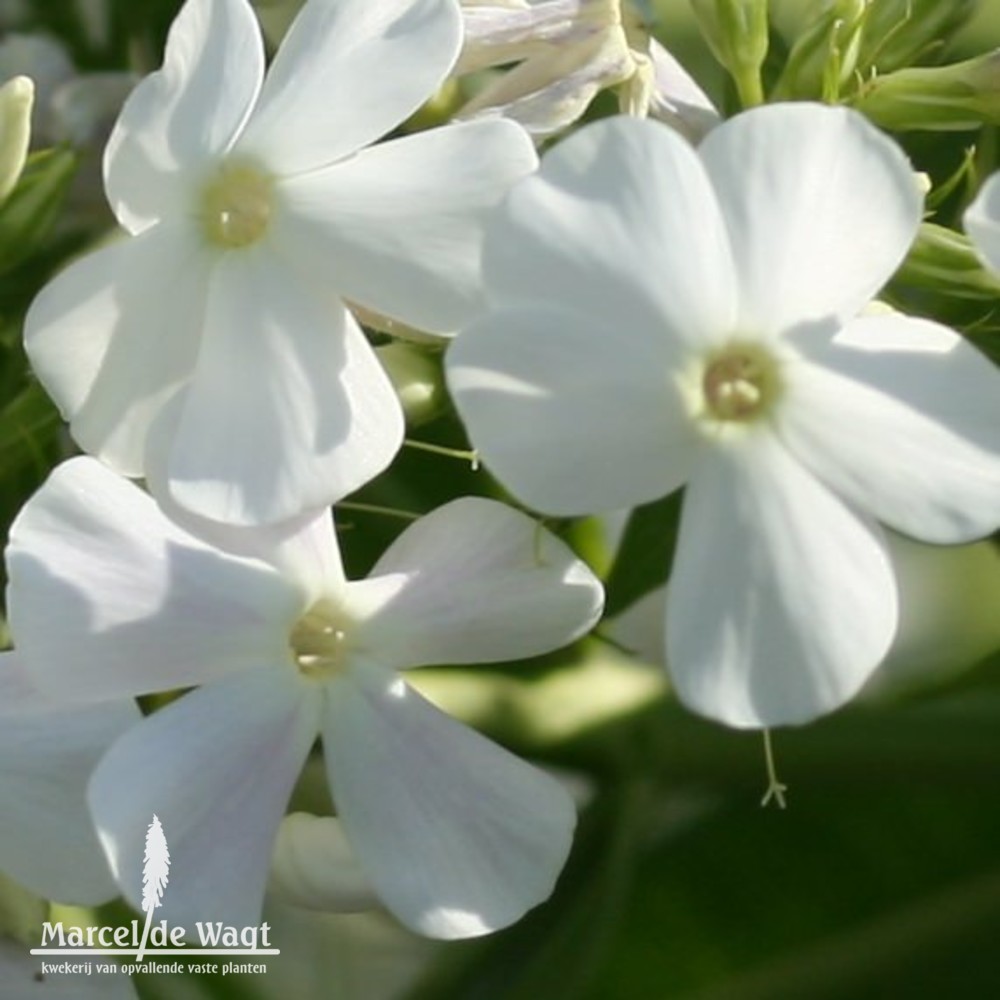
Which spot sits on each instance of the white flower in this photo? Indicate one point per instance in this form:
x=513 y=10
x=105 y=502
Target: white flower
x=665 y=316
x=567 y=51
x=456 y=835
x=214 y=342
x=48 y=750
x=982 y=222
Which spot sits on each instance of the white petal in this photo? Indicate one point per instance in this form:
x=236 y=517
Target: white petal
x=621 y=221
x=346 y=74
x=186 y=113
x=982 y=221
x=499 y=33
x=677 y=99
x=573 y=415
x=47 y=754
x=474 y=581
x=457 y=835
x=901 y=417
x=821 y=209
x=782 y=601
x=551 y=91
x=313 y=866
x=217 y=768
x=107 y=598
x=115 y=334
x=399 y=227
x=310 y=416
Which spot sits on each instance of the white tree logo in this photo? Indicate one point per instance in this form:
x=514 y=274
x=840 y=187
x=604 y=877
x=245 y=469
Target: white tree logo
x=155 y=873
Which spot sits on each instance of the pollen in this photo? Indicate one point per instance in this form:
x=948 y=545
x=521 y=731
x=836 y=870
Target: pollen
x=740 y=383
x=320 y=641
x=236 y=206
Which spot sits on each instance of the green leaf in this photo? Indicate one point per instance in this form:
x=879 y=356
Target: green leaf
x=646 y=552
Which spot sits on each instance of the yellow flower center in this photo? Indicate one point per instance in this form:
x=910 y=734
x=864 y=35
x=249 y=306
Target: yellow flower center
x=320 y=641
x=741 y=382
x=236 y=205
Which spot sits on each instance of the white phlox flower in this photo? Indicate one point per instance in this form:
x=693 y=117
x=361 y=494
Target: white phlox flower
x=666 y=317
x=982 y=222
x=567 y=51
x=254 y=206
x=48 y=750
x=456 y=835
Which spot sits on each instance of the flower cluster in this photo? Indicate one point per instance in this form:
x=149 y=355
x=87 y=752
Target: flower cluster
x=635 y=316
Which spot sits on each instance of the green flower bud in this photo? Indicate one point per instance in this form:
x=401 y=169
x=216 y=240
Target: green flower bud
x=737 y=33
x=16 y=99
x=825 y=56
x=944 y=261
x=962 y=96
x=899 y=32
x=416 y=376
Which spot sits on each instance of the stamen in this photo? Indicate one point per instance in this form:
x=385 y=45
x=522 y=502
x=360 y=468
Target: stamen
x=740 y=384
x=236 y=206
x=320 y=640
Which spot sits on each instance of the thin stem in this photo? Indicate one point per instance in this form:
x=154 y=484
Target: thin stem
x=775 y=789
x=749 y=87
x=472 y=457
x=374 y=508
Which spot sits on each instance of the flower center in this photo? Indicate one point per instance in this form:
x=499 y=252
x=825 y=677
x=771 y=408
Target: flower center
x=320 y=641
x=236 y=205
x=740 y=383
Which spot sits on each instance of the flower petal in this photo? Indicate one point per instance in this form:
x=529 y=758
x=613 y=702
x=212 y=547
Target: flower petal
x=821 y=209
x=901 y=417
x=574 y=416
x=399 y=227
x=107 y=349
x=310 y=418
x=47 y=753
x=982 y=221
x=474 y=581
x=185 y=113
x=591 y=228
x=346 y=74
x=677 y=100
x=457 y=835
x=217 y=768
x=781 y=600
x=552 y=90
x=142 y=605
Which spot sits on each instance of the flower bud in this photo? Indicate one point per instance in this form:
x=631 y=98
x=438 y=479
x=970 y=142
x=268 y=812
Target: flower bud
x=945 y=261
x=825 y=55
x=962 y=96
x=737 y=33
x=16 y=98
x=899 y=32
x=417 y=379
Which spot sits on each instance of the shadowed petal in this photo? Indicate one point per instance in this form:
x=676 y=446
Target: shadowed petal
x=781 y=600
x=457 y=835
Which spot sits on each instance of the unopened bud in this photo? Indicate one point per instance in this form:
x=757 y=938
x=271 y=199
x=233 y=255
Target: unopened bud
x=944 y=261
x=959 y=97
x=899 y=33
x=825 y=56
x=737 y=33
x=416 y=377
x=16 y=99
